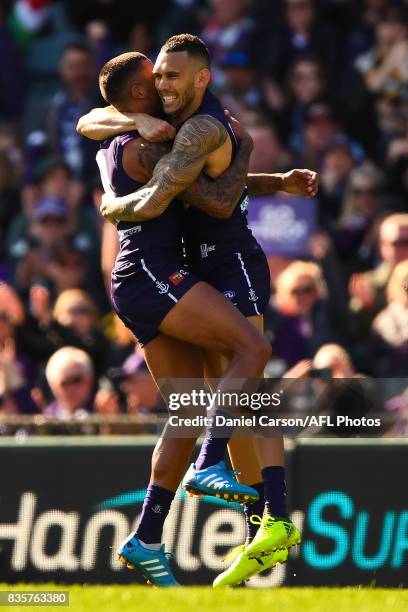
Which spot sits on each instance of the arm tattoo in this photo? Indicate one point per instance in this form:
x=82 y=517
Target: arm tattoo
x=219 y=197
x=197 y=139
x=149 y=153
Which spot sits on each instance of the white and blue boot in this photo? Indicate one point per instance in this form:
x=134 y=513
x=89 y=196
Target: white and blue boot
x=217 y=481
x=154 y=564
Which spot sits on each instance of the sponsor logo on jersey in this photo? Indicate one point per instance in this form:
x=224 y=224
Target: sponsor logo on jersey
x=177 y=277
x=229 y=294
x=162 y=287
x=244 y=204
x=129 y=232
x=205 y=249
x=252 y=296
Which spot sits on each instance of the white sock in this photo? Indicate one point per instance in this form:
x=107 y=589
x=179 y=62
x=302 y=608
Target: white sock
x=151 y=546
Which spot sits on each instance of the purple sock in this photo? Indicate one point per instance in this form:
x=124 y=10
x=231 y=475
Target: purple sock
x=275 y=490
x=251 y=509
x=156 y=507
x=212 y=451
x=215 y=444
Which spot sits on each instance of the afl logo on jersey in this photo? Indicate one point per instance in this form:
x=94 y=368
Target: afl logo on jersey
x=229 y=294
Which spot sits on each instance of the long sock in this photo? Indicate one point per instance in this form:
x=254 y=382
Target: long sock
x=156 y=507
x=275 y=490
x=215 y=444
x=251 y=509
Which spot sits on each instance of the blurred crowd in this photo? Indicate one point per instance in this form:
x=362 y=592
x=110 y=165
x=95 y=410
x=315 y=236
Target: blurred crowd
x=320 y=84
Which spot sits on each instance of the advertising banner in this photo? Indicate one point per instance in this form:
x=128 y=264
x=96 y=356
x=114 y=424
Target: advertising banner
x=65 y=508
x=283 y=224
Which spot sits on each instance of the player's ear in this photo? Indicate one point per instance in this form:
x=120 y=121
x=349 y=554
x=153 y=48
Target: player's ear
x=137 y=91
x=202 y=78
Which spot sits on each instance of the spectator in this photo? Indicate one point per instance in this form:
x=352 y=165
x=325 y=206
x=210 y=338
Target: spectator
x=336 y=359
x=77 y=97
x=50 y=225
x=367 y=289
x=338 y=162
x=300 y=34
x=70 y=375
x=9 y=193
x=76 y=312
x=321 y=130
x=297 y=322
x=228 y=30
x=139 y=388
x=355 y=233
x=241 y=88
x=384 y=67
x=390 y=328
x=17 y=370
x=340 y=390
x=306 y=86
x=268 y=154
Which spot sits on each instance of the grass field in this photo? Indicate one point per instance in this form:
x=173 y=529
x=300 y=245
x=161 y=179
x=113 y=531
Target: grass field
x=204 y=599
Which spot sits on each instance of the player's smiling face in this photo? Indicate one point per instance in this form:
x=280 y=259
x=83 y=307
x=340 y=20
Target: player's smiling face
x=175 y=77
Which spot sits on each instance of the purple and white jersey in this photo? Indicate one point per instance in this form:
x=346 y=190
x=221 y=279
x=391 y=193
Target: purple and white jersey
x=157 y=238
x=204 y=231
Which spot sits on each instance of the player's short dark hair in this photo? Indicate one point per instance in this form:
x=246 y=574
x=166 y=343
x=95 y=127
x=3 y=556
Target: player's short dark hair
x=116 y=73
x=194 y=46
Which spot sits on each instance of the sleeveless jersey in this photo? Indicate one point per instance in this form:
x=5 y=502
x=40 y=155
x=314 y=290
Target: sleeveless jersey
x=203 y=231
x=155 y=237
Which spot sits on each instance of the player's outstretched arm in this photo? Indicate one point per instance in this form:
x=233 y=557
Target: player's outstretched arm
x=103 y=123
x=296 y=182
x=174 y=173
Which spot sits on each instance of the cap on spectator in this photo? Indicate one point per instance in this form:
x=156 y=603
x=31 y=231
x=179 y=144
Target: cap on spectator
x=50 y=207
x=236 y=59
x=134 y=364
x=319 y=113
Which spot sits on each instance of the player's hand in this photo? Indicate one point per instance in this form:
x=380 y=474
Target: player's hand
x=240 y=132
x=108 y=208
x=301 y=182
x=153 y=129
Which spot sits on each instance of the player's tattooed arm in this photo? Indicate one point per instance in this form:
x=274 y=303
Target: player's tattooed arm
x=102 y=123
x=218 y=198
x=174 y=173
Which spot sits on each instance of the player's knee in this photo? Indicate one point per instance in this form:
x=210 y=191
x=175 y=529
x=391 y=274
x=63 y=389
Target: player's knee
x=262 y=350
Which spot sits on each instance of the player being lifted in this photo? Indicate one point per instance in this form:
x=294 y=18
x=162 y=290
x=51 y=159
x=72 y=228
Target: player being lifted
x=206 y=142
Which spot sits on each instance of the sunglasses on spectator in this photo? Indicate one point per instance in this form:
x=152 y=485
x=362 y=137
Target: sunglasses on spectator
x=400 y=242
x=304 y=76
x=305 y=290
x=73 y=380
x=79 y=310
x=367 y=191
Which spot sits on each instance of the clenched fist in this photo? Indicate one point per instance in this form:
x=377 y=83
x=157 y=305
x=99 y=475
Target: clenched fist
x=301 y=182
